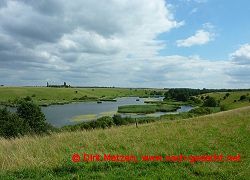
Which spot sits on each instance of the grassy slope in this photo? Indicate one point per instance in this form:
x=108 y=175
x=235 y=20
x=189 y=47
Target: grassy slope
x=49 y=157
x=229 y=101
x=53 y=95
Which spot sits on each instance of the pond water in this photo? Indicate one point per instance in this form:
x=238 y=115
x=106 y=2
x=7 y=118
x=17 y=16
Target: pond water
x=69 y=114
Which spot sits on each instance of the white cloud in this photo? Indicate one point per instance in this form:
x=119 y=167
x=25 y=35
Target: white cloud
x=242 y=55
x=99 y=44
x=199 y=38
x=193 y=11
x=60 y=37
x=240 y=69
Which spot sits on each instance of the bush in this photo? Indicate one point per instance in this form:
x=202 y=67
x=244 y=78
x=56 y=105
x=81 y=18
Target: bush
x=27 y=98
x=104 y=122
x=243 y=97
x=83 y=97
x=222 y=107
x=11 y=125
x=200 y=111
x=117 y=119
x=207 y=97
x=33 y=116
x=29 y=119
x=210 y=102
x=195 y=99
x=85 y=125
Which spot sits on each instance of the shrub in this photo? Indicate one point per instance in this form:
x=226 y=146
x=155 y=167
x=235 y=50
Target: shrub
x=222 y=107
x=200 y=111
x=195 y=99
x=11 y=125
x=83 y=97
x=207 y=97
x=28 y=119
x=27 y=98
x=243 y=97
x=104 y=122
x=85 y=125
x=210 y=102
x=117 y=119
x=33 y=116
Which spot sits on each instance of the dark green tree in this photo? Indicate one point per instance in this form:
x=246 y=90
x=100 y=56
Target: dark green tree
x=11 y=125
x=243 y=97
x=210 y=102
x=33 y=116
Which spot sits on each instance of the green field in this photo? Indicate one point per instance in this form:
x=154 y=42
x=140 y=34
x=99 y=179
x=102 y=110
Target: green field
x=46 y=96
x=233 y=100
x=49 y=157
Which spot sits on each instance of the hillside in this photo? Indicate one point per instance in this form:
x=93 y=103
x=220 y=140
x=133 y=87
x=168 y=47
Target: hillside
x=225 y=133
x=51 y=95
x=231 y=101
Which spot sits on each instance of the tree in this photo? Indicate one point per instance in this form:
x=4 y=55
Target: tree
x=33 y=116
x=210 y=102
x=11 y=125
x=28 y=119
x=243 y=97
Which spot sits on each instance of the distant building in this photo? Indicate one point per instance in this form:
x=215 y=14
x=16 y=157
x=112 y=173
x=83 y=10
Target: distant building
x=58 y=86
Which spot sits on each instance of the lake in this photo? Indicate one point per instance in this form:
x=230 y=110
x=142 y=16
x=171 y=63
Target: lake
x=68 y=114
x=73 y=113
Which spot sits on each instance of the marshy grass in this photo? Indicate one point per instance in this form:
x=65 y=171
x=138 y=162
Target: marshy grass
x=49 y=157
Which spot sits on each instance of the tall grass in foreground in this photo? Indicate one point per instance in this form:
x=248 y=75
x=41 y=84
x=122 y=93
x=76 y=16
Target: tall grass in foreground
x=224 y=133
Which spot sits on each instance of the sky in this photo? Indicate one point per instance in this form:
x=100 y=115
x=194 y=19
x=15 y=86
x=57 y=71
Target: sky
x=124 y=43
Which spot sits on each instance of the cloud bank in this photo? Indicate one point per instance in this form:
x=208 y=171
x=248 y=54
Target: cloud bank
x=240 y=71
x=100 y=43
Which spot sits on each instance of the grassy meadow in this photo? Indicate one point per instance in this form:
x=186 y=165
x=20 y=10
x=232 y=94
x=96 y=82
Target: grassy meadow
x=50 y=95
x=232 y=101
x=49 y=157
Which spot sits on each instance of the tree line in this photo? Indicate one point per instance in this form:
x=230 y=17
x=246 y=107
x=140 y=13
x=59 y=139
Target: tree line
x=185 y=94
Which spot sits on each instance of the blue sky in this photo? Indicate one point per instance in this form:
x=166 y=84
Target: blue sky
x=229 y=18
x=139 y=43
